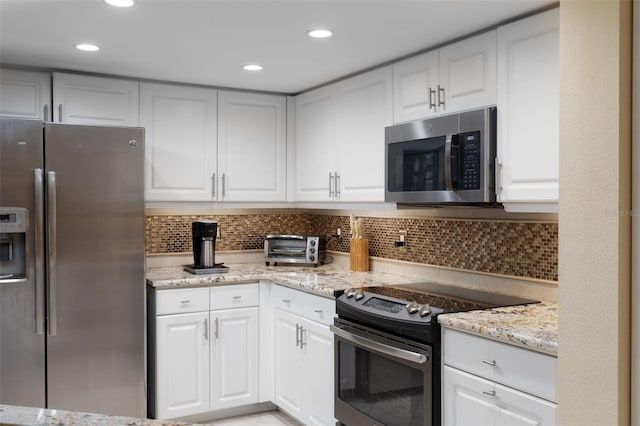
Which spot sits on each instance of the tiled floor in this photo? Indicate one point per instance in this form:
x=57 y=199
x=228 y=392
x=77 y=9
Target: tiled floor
x=269 y=418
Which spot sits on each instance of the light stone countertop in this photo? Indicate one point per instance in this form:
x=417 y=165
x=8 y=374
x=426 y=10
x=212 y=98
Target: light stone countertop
x=16 y=415
x=533 y=326
x=324 y=280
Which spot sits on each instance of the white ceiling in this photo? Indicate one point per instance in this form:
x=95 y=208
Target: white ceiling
x=207 y=42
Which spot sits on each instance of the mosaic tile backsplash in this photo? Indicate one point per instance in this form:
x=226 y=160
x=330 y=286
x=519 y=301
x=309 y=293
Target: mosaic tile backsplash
x=517 y=248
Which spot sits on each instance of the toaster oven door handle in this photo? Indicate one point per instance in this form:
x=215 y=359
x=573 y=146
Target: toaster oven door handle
x=404 y=354
x=286 y=237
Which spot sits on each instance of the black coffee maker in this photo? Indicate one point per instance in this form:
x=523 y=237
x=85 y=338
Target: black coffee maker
x=203 y=238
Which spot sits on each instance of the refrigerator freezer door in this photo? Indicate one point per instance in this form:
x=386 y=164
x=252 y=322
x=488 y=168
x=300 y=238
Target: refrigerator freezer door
x=95 y=360
x=22 y=349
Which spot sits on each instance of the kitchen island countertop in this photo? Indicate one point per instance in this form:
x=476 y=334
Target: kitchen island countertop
x=533 y=326
x=17 y=415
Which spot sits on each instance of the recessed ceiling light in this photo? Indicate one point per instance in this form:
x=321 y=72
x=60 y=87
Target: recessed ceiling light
x=320 y=33
x=252 y=67
x=120 y=3
x=87 y=47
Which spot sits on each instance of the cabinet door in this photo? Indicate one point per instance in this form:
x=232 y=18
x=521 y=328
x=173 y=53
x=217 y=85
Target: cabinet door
x=319 y=374
x=470 y=400
x=182 y=370
x=234 y=357
x=180 y=152
x=468 y=74
x=84 y=99
x=289 y=364
x=415 y=81
x=314 y=145
x=528 y=112
x=25 y=94
x=252 y=147
x=363 y=108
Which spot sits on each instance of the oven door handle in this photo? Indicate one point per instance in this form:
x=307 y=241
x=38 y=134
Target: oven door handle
x=404 y=354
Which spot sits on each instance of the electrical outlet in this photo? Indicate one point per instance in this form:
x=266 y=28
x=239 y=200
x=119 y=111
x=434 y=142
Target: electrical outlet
x=403 y=241
x=218 y=232
x=339 y=232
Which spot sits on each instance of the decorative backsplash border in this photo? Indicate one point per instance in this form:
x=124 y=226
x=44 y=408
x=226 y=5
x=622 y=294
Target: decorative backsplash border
x=516 y=248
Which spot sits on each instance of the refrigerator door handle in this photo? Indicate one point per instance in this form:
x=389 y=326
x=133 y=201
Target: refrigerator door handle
x=53 y=258
x=39 y=248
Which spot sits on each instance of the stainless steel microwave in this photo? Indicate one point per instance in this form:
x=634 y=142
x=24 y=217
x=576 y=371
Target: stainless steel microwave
x=443 y=160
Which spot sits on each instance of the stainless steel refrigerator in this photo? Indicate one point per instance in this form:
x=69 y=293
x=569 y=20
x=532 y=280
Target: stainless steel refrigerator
x=72 y=296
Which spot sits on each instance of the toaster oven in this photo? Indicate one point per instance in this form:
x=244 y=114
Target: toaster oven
x=295 y=249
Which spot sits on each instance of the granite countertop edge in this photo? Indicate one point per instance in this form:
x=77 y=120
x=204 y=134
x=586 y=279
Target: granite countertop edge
x=533 y=326
x=19 y=415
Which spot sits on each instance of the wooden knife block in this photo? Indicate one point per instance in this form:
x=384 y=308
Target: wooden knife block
x=359 y=254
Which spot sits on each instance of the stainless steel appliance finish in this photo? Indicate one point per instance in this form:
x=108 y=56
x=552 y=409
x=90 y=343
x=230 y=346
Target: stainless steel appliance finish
x=443 y=160
x=85 y=253
x=295 y=249
x=387 y=350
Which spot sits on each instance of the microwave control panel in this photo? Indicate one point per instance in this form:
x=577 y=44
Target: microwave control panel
x=469 y=161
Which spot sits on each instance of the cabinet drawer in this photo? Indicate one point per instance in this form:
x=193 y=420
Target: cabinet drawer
x=520 y=368
x=319 y=309
x=471 y=400
x=182 y=301
x=287 y=299
x=235 y=296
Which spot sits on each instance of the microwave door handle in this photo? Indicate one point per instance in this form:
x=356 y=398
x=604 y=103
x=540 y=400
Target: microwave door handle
x=448 y=181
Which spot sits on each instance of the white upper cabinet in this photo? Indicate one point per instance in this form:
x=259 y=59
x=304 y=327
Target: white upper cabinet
x=415 y=81
x=457 y=77
x=25 y=94
x=85 y=99
x=340 y=139
x=314 y=145
x=528 y=114
x=180 y=152
x=468 y=74
x=252 y=147
x=363 y=108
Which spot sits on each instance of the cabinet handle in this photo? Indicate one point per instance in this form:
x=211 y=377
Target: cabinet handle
x=330 y=185
x=223 y=185
x=213 y=186
x=491 y=363
x=60 y=113
x=236 y=297
x=298 y=335
x=286 y=300
x=302 y=331
x=337 y=183
x=498 y=179
x=206 y=330
x=45 y=116
x=432 y=95
x=185 y=301
x=490 y=393
x=217 y=328
x=318 y=311
x=441 y=101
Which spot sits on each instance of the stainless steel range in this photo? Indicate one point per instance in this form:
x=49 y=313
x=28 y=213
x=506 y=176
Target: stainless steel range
x=387 y=350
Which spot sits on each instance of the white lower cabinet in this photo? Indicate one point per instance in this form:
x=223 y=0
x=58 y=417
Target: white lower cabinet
x=303 y=368
x=234 y=357
x=204 y=360
x=485 y=382
x=303 y=355
x=182 y=365
x=471 y=400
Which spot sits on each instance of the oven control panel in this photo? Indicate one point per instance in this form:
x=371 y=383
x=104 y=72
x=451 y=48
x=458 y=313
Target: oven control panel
x=387 y=306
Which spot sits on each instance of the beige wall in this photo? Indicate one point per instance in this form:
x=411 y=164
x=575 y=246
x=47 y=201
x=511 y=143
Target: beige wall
x=594 y=239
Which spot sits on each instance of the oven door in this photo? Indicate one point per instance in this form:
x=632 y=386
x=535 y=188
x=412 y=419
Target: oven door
x=381 y=379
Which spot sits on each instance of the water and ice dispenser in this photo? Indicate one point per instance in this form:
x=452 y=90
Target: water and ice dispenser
x=13 y=243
